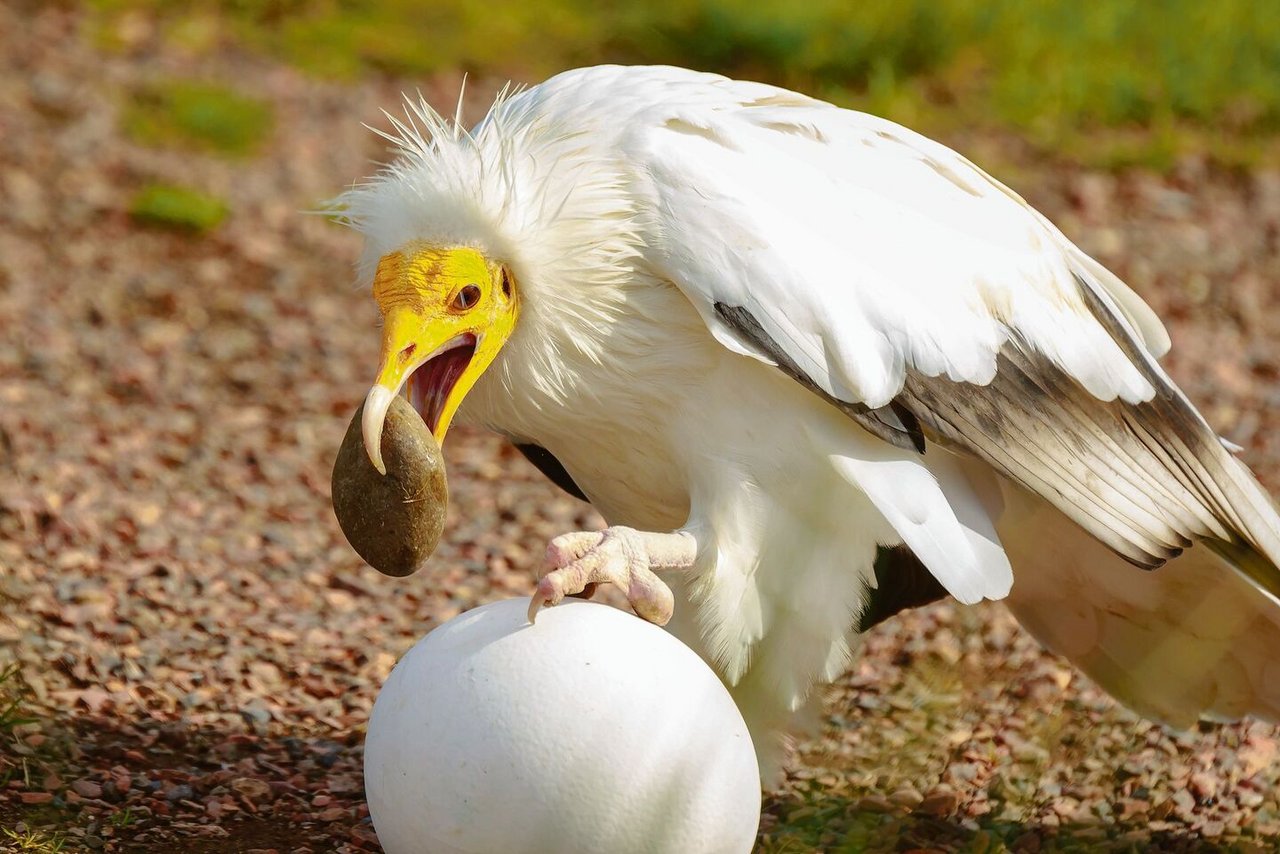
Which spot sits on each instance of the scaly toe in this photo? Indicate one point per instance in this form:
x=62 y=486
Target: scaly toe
x=567 y=548
x=650 y=597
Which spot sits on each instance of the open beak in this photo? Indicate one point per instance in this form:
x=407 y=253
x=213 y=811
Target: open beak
x=436 y=354
x=432 y=384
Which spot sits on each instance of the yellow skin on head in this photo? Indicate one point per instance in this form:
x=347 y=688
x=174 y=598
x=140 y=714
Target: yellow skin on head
x=432 y=299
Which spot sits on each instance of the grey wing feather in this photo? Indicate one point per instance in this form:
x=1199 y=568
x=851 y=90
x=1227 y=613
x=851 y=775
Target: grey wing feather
x=894 y=423
x=1146 y=479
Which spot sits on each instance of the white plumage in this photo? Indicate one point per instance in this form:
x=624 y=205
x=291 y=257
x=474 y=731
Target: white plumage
x=743 y=315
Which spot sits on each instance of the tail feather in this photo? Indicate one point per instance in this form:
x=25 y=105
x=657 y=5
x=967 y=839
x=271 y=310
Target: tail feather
x=1196 y=638
x=1256 y=553
x=1199 y=635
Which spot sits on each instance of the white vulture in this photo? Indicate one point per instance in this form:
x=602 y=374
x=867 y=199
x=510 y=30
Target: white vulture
x=813 y=367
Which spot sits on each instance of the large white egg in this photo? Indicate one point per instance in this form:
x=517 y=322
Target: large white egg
x=591 y=731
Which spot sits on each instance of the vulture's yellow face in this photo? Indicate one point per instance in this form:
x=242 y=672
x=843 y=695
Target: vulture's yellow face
x=446 y=313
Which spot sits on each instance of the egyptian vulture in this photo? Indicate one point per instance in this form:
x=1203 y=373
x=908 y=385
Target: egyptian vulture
x=812 y=367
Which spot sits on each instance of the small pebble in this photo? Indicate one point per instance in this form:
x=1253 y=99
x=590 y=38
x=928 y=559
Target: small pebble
x=874 y=803
x=939 y=803
x=87 y=788
x=179 y=793
x=906 y=798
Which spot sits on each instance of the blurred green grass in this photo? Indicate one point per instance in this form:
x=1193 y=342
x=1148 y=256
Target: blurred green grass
x=176 y=207
x=203 y=115
x=1108 y=82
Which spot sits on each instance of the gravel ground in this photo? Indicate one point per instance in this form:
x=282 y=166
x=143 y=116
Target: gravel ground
x=198 y=646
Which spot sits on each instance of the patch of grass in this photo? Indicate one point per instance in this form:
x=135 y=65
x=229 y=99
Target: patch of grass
x=32 y=841
x=824 y=823
x=199 y=115
x=120 y=819
x=1057 y=70
x=12 y=695
x=178 y=207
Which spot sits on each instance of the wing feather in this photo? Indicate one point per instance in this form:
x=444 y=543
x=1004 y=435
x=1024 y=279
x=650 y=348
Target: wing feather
x=900 y=282
x=923 y=261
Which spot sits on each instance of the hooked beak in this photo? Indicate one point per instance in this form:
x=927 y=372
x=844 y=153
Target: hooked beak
x=436 y=385
x=431 y=346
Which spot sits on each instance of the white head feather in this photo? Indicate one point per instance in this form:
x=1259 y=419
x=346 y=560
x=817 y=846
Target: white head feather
x=541 y=197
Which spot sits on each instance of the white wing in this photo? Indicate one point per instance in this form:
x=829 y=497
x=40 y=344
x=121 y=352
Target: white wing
x=819 y=220
x=905 y=285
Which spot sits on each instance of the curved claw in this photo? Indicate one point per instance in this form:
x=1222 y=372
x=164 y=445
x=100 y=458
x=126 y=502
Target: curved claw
x=546 y=593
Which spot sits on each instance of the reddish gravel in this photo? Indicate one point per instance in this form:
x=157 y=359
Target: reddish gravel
x=199 y=647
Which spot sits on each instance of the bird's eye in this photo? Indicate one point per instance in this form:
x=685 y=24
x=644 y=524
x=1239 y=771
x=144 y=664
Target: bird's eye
x=467 y=297
x=506 y=283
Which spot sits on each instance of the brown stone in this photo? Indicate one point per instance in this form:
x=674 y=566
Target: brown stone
x=87 y=788
x=393 y=521
x=939 y=803
x=252 y=789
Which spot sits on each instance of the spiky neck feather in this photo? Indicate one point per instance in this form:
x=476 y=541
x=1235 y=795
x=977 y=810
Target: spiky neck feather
x=540 y=197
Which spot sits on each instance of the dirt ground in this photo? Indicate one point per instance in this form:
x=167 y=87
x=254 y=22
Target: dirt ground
x=198 y=647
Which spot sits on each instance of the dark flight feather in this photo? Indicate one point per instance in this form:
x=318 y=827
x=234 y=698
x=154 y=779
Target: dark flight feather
x=546 y=463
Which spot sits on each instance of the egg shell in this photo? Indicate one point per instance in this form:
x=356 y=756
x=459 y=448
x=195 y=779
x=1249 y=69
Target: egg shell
x=589 y=731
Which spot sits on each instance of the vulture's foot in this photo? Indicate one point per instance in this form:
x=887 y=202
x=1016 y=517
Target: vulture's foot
x=621 y=556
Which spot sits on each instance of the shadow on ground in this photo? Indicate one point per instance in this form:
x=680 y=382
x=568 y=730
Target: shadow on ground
x=848 y=826
x=157 y=785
